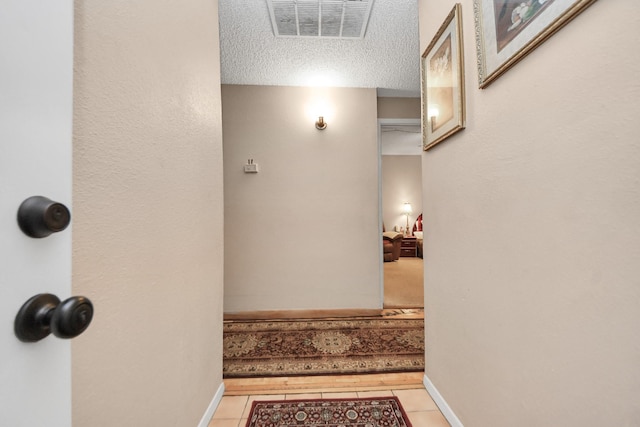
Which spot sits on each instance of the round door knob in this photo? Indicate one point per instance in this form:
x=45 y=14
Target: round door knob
x=39 y=217
x=71 y=317
x=43 y=314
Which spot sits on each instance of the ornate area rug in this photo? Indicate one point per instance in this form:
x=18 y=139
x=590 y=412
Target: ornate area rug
x=322 y=347
x=378 y=412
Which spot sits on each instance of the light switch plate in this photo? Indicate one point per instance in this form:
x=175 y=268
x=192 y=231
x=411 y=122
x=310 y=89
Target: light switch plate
x=252 y=168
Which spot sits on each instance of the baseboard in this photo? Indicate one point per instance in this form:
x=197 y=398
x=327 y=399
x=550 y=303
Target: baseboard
x=442 y=404
x=206 y=418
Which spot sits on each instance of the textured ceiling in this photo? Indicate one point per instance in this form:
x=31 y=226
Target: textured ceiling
x=387 y=58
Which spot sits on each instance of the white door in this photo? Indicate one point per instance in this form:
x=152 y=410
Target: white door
x=36 y=75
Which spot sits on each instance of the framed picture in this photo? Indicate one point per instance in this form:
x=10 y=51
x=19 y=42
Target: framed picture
x=443 y=110
x=507 y=30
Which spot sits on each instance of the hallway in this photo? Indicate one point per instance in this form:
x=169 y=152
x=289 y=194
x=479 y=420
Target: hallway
x=408 y=387
x=533 y=238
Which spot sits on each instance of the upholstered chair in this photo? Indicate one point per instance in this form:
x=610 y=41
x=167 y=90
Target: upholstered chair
x=391 y=245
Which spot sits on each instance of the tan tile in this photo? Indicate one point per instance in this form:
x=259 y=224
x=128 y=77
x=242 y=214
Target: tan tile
x=225 y=423
x=247 y=409
x=428 y=419
x=303 y=396
x=259 y=397
x=262 y=397
x=343 y=395
x=416 y=400
x=380 y=393
x=231 y=407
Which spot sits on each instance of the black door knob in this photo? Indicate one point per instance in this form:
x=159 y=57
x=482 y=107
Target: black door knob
x=39 y=217
x=71 y=317
x=43 y=314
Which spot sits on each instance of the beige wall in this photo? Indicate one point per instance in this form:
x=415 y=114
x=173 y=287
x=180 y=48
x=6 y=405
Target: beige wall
x=532 y=273
x=303 y=232
x=148 y=216
x=399 y=108
x=401 y=182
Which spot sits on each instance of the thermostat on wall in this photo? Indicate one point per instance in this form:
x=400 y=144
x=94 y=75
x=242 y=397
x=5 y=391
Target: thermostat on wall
x=251 y=167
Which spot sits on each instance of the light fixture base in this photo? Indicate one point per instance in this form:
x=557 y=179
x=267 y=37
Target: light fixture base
x=321 y=124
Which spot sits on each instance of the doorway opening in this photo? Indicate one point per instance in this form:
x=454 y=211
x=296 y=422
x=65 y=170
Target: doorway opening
x=400 y=187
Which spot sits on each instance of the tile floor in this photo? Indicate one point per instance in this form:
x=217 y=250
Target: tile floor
x=422 y=411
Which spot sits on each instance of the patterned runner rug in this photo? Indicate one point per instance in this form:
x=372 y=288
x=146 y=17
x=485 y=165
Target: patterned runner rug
x=322 y=347
x=383 y=411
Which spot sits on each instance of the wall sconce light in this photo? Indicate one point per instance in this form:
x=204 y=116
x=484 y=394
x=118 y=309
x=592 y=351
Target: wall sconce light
x=434 y=112
x=406 y=209
x=321 y=124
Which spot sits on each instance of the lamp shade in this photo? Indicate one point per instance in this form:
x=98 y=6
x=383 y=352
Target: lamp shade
x=406 y=208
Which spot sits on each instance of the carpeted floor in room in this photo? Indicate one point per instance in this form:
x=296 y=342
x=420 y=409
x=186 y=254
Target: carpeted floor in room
x=404 y=283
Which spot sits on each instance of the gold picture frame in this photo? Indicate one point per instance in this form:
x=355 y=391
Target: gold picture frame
x=442 y=72
x=508 y=30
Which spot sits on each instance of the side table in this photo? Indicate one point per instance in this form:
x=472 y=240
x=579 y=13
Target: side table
x=408 y=247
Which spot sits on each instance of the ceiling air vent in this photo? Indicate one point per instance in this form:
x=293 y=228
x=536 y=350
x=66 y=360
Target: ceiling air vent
x=320 y=18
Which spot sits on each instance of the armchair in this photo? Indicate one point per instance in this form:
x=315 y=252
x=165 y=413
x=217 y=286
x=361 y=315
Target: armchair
x=391 y=245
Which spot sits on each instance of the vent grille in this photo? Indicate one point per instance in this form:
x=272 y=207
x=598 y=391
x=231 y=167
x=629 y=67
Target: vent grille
x=320 y=18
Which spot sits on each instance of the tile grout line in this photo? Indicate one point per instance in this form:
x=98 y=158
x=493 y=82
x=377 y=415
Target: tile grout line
x=243 y=411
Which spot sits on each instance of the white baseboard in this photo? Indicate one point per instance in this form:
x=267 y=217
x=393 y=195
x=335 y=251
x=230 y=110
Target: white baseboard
x=442 y=404
x=206 y=418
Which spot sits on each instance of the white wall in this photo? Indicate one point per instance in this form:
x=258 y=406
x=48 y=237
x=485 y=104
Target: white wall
x=401 y=182
x=147 y=212
x=532 y=286
x=303 y=232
